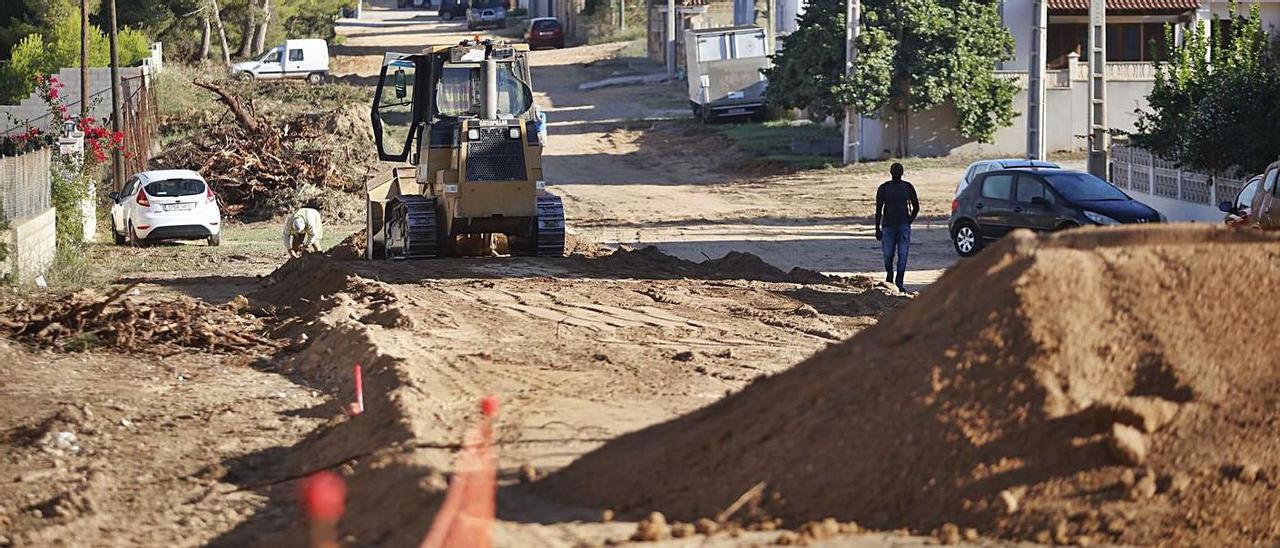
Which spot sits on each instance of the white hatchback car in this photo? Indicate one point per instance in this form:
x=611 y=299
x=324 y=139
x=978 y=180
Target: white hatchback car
x=171 y=204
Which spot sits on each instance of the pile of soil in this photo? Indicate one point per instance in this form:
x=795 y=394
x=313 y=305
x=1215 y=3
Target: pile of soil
x=735 y=265
x=352 y=247
x=1097 y=385
x=86 y=320
x=307 y=158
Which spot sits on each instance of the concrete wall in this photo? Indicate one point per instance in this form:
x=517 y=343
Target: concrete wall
x=33 y=108
x=32 y=244
x=1269 y=10
x=932 y=133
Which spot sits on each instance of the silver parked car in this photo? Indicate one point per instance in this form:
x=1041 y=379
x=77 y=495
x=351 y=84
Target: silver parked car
x=983 y=166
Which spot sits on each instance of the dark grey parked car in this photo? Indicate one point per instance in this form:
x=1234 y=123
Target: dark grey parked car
x=1000 y=201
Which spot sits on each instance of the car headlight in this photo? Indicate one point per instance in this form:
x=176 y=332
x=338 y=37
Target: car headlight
x=1100 y=218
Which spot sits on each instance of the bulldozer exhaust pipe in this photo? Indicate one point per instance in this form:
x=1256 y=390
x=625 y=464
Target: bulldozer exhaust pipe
x=489 y=101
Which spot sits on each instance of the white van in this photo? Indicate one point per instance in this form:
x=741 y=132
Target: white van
x=295 y=59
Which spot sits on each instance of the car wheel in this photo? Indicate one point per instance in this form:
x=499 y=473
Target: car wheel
x=964 y=237
x=560 y=44
x=116 y=236
x=1067 y=226
x=315 y=78
x=446 y=15
x=215 y=240
x=134 y=240
x=246 y=76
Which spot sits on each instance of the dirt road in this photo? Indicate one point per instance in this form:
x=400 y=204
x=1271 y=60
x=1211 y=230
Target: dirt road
x=580 y=349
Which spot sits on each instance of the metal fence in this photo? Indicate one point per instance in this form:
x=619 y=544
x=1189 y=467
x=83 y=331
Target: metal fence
x=25 y=184
x=1138 y=170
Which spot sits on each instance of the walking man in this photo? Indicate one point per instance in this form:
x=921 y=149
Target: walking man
x=896 y=208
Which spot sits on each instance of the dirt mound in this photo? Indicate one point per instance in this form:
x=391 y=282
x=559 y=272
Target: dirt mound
x=86 y=320
x=352 y=247
x=736 y=265
x=1109 y=385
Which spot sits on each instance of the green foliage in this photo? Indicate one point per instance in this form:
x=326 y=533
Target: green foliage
x=70 y=189
x=1213 y=106
x=913 y=55
x=50 y=48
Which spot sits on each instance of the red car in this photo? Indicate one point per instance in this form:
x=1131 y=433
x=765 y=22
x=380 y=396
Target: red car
x=545 y=32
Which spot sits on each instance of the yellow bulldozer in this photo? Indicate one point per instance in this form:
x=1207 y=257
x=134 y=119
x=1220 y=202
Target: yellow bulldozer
x=463 y=115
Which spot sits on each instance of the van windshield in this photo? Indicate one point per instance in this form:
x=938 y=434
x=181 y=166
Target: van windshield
x=175 y=187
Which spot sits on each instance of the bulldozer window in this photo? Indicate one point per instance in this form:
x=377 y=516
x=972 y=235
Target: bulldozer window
x=395 y=108
x=459 y=91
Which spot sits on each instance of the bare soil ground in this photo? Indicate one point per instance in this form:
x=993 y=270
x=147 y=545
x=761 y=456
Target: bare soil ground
x=105 y=448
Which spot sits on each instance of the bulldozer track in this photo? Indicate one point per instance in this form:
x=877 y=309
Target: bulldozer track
x=550 y=227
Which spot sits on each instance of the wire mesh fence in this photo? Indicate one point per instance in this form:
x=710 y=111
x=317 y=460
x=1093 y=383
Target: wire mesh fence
x=25 y=184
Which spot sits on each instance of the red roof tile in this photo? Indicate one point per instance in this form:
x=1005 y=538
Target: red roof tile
x=1127 y=5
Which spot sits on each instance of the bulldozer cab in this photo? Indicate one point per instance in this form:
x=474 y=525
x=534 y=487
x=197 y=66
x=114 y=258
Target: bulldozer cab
x=445 y=84
x=463 y=116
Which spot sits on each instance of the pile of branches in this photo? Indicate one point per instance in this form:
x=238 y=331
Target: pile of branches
x=256 y=167
x=86 y=320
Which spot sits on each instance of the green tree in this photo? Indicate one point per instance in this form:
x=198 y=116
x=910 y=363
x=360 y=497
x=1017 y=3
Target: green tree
x=913 y=55
x=58 y=45
x=1213 y=106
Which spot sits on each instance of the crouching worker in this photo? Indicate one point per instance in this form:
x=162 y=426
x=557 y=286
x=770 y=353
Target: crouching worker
x=302 y=232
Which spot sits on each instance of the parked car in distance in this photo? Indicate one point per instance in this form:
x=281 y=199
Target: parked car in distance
x=545 y=32
x=1238 y=210
x=982 y=166
x=486 y=13
x=171 y=204
x=1041 y=199
x=451 y=9
x=294 y=59
x=1264 y=209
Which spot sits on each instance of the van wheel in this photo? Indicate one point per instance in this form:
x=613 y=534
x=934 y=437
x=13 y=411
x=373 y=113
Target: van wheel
x=215 y=240
x=964 y=237
x=446 y=15
x=315 y=78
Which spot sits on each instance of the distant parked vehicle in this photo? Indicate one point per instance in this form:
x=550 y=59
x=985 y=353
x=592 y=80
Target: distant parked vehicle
x=294 y=59
x=1043 y=199
x=486 y=13
x=1264 y=209
x=545 y=32
x=1238 y=210
x=724 y=75
x=451 y=9
x=982 y=166
x=174 y=204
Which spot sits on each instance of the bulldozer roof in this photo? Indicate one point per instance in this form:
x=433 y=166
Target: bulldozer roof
x=440 y=48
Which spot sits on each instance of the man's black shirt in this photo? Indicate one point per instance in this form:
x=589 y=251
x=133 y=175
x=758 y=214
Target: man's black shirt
x=896 y=204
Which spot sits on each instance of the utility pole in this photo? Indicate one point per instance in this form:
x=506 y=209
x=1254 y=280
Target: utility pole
x=117 y=159
x=1035 y=82
x=852 y=120
x=1098 y=137
x=770 y=27
x=622 y=11
x=671 y=40
x=84 y=59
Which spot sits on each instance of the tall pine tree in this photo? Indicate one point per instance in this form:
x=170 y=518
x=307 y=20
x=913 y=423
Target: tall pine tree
x=913 y=55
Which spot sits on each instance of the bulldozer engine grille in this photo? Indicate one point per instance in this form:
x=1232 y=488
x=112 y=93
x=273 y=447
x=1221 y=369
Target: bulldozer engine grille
x=495 y=156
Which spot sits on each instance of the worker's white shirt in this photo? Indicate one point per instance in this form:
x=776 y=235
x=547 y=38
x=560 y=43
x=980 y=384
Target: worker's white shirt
x=312 y=231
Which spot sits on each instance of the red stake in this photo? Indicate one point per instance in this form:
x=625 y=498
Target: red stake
x=323 y=496
x=359 y=391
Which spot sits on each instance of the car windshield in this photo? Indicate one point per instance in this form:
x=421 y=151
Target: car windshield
x=486 y=3
x=1083 y=187
x=172 y=188
x=1246 y=194
x=544 y=26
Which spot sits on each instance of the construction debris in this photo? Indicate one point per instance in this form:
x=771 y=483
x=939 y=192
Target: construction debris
x=86 y=320
x=258 y=169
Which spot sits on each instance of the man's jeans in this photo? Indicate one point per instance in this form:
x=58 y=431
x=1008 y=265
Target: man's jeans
x=896 y=239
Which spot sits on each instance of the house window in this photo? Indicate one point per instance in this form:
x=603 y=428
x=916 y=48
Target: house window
x=295 y=55
x=1125 y=42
